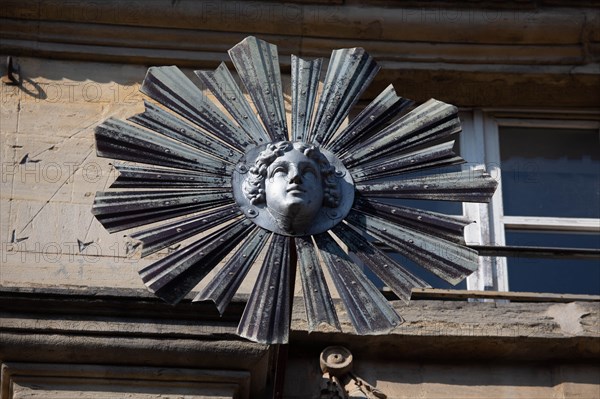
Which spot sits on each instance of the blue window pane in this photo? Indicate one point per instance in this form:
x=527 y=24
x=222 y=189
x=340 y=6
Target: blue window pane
x=550 y=172
x=569 y=276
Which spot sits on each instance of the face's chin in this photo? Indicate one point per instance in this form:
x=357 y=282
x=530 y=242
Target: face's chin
x=296 y=204
x=295 y=212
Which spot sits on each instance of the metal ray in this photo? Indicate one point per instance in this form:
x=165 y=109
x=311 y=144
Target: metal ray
x=163 y=122
x=174 y=276
x=394 y=275
x=305 y=84
x=222 y=84
x=170 y=87
x=266 y=318
x=134 y=176
x=380 y=111
x=446 y=259
x=118 y=211
x=225 y=284
x=349 y=73
x=437 y=224
x=430 y=121
x=431 y=157
x=119 y=140
x=257 y=64
x=466 y=186
x=369 y=311
x=320 y=309
x=161 y=237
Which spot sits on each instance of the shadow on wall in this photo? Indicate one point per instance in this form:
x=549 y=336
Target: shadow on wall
x=30 y=70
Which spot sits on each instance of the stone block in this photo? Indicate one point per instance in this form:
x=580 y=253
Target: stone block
x=65 y=381
x=579 y=381
x=67 y=270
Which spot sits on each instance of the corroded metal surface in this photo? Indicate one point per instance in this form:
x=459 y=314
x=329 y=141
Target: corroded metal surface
x=432 y=157
x=428 y=122
x=163 y=122
x=266 y=318
x=123 y=210
x=174 y=276
x=446 y=259
x=400 y=280
x=368 y=309
x=437 y=224
x=222 y=84
x=468 y=186
x=170 y=87
x=224 y=285
x=157 y=238
x=234 y=174
x=257 y=64
x=119 y=140
x=320 y=310
x=305 y=82
x=375 y=115
x=135 y=176
x=349 y=73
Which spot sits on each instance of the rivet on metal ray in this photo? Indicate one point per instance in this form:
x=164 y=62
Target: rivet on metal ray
x=369 y=311
x=136 y=176
x=170 y=87
x=468 y=186
x=432 y=157
x=118 y=211
x=305 y=83
x=375 y=115
x=437 y=224
x=266 y=318
x=446 y=259
x=174 y=276
x=394 y=275
x=222 y=84
x=349 y=73
x=157 y=238
x=430 y=121
x=257 y=65
x=163 y=122
x=119 y=140
x=320 y=310
x=225 y=284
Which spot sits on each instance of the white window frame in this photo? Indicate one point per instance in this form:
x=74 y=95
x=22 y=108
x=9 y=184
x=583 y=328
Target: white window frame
x=480 y=147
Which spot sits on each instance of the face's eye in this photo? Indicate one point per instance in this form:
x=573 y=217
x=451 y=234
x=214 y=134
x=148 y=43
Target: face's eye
x=280 y=170
x=309 y=172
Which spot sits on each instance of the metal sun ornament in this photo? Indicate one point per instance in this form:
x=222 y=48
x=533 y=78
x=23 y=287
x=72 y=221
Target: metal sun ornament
x=287 y=195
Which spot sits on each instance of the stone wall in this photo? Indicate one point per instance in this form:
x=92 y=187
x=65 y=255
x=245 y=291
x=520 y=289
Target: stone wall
x=90 y=341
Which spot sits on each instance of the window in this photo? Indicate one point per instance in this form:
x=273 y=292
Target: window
x=549 y=196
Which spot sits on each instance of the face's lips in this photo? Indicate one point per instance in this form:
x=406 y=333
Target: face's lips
x=295 y=189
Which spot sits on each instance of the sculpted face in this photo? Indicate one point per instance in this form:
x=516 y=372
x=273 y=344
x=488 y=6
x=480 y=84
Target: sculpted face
x=294 y=189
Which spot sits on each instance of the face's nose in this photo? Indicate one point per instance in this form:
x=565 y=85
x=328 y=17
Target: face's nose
x=294 y=175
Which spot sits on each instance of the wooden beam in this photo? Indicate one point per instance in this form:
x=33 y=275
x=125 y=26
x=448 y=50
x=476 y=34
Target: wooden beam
x=435 y=293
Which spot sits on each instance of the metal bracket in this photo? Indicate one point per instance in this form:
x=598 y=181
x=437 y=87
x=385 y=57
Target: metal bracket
x=12 y=69
x=339 y=379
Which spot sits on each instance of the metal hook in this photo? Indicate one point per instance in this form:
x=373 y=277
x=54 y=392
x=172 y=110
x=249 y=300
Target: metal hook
x=11 y=70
